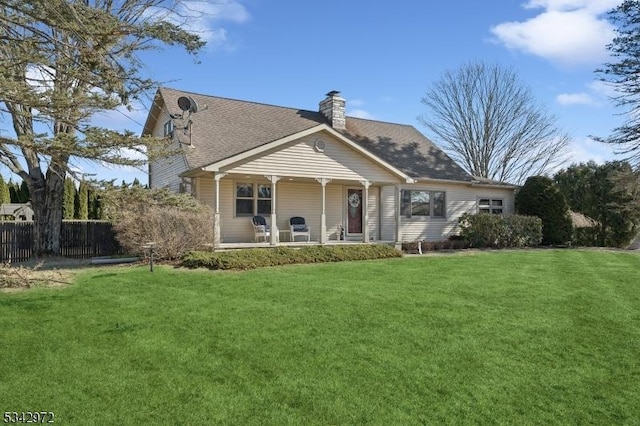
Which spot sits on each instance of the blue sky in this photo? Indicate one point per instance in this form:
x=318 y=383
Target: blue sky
x=384 y=57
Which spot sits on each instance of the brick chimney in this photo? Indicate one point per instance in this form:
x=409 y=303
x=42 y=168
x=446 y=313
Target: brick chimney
x=333 y=109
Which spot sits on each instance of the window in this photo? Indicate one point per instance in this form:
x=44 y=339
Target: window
x=168 y=129
x=422 y=203
x=490 y=205
x=253 y=199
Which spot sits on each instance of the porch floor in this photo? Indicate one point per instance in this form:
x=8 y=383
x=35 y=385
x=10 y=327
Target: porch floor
x=231 y=246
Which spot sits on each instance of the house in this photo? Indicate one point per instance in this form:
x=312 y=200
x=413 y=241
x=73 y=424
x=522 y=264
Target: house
x=377 y=181
x=16 y=212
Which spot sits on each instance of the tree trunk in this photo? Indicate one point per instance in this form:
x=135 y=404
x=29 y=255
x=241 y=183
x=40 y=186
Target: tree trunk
x=46 y=201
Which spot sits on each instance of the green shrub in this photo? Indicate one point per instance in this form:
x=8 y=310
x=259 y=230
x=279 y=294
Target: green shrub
x=541 y=197
x=497 y=231
x=453 y=243
x=263 y=257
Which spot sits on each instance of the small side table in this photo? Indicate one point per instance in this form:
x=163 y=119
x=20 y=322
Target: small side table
x=287 y=233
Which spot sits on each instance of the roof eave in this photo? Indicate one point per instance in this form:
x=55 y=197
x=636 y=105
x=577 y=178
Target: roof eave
x=152 y=117
x=493 y=185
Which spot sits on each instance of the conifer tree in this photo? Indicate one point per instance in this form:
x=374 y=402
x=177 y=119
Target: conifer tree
x=68 y=60
x=622 y=75
x=24 y=195
x=13 y=191
x=68 y=208
x=83 y=201
x=5 y=196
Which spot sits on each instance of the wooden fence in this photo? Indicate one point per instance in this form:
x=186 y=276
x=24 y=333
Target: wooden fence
x=78 y=239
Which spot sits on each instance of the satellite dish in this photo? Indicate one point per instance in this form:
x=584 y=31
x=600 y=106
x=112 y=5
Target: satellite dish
x=188 y=104
x=184 y=103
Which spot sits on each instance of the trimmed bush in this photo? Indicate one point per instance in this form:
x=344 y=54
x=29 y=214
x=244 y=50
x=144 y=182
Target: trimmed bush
x=453 y=243
x=541 y=197
x=263 y=257
x=497 y=231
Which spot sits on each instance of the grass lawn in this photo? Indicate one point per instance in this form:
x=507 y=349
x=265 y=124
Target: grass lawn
x=522 y=337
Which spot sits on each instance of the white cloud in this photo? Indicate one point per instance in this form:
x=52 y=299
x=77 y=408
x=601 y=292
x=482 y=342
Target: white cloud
x=360 y=113
x=602 y=89
x=205 y=18
x=597 y=93
x=580 y=98
x=355 y=102
x=566 y=32
x=586 y=149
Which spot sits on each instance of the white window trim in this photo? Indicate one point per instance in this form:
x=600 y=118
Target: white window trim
x=491 y=208
x=431 y=205
x=255 y=197
x=168 y=128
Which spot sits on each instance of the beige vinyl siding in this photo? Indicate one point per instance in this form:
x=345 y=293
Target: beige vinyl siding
x=507 y=195
x=374 y=213
x=165 y=172
x=300 y=159
x=205 y=190
x=460 y=199
x=388 y=213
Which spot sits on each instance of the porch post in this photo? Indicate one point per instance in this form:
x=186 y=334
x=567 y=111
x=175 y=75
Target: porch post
x=398 y=217
x=365 y=206
x=274 y=220
x=216 y=211
x=323 y=216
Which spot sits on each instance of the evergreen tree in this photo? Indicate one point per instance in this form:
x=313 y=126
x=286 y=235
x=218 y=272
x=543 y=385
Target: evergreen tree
x=68 y=60
x=5 y=196
x=623 y=76
x=68 y=208
x=95 y=206
x=541 y=197
x=76 y=205
x=24 y=195
x=83 y=201
x=594 y=190
x=13 y=191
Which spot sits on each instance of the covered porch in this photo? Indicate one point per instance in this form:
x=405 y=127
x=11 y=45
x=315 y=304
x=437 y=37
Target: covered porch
x=317 y=174
x=337 y=211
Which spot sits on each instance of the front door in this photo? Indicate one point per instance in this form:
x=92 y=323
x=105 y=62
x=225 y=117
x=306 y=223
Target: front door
x=354 y=211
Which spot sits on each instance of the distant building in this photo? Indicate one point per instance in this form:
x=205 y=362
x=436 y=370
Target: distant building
x=18 y=212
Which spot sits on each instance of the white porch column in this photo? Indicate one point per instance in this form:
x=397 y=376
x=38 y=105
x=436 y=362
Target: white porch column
x=274 y=220
x=365 y=206
x=216 y=210
x=323 y=216
x=398 y=217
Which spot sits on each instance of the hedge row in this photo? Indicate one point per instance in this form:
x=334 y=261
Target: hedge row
x=262 y=257
x=450 y=244
x=497 y=231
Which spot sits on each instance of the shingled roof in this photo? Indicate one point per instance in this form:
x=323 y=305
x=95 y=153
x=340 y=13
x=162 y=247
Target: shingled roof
x=230 y=127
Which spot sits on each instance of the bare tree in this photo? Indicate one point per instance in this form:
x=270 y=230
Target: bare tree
x=487 y=120
x=61 y=61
